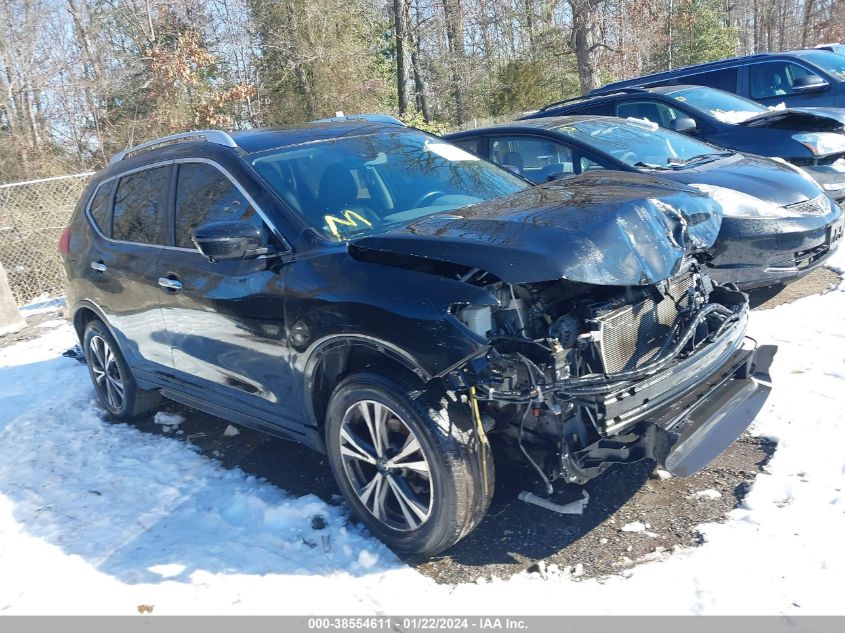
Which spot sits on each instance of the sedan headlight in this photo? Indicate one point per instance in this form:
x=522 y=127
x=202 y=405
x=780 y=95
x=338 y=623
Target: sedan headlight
x=822 y=143
x=736 y=204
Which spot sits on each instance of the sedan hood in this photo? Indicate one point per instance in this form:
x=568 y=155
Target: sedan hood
x=800 y=119
x=762 y=178
x=609 y=228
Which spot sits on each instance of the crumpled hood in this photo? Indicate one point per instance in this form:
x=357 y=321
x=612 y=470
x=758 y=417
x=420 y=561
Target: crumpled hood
x=610 y=228
x=800 y=119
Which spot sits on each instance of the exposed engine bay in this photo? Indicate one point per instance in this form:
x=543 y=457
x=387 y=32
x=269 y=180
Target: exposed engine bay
x=579 y=377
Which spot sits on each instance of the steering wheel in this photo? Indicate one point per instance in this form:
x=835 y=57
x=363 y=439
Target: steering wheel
x=433 y=195
x=626 y=156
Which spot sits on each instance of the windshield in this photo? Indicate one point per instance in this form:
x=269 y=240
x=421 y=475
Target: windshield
x=828 y=61
x=724 y=106
x=639 y=144
x=363 y=184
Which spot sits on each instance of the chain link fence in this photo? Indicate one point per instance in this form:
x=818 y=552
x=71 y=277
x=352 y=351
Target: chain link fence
x=32 y=216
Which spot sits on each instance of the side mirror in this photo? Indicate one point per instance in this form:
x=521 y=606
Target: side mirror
x=809 y=83
x=229 y=240
x=683 y=124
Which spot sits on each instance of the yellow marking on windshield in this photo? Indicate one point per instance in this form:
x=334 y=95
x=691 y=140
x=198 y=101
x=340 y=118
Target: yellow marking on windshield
x=350 y=218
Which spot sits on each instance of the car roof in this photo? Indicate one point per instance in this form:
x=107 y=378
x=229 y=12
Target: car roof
x=262 y=139
x=729 y=62
x=544 y=123
x=216 y=142
x=631 y=93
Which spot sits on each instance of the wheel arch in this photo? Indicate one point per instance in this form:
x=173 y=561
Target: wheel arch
x=83 y=313
x=333 y=359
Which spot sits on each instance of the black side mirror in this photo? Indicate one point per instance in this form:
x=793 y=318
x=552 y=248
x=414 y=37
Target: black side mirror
x=809 y=83
x=229 y=240
x=683 y=124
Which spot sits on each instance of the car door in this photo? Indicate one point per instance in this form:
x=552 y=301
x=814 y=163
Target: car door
x=537 y=158
x=770 y=83
x=128 y=214
x=225 y=319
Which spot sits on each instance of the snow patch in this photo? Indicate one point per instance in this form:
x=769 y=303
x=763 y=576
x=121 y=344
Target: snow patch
x=710 y=494
x=634 y=526
x=231 y=431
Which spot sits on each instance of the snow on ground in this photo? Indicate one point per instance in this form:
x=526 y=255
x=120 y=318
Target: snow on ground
x=97 y=517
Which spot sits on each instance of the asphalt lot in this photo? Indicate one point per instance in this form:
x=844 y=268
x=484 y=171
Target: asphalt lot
x=516 y=536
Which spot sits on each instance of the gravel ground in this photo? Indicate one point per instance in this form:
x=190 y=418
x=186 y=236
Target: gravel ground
x=633 y=514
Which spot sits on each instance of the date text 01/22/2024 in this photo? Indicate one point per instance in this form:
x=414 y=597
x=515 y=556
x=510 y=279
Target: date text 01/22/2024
x=425 y=623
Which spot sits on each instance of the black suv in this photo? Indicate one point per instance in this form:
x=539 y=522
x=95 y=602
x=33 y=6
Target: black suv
x=392 y=300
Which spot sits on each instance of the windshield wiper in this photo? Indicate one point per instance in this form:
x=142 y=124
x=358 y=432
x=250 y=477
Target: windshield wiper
x=651 y=166
x=699 y=158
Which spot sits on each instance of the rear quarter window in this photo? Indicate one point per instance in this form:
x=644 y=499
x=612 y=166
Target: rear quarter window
x=140 y=204
x=469 y=144
x=101 y=207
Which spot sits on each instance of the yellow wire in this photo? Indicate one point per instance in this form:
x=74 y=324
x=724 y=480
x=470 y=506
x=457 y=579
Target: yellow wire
x=482 y=436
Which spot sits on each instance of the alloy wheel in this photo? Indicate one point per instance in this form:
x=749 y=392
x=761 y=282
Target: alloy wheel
x=106 y=372
x=386 y=465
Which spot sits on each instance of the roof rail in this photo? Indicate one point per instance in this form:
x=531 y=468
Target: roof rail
x=218 y=137
x=608 y=90
x=598 y=92
x=372 y=118
x=555 y=104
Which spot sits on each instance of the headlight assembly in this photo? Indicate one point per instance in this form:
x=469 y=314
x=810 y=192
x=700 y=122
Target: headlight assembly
x=736 y=204
x=822 y=143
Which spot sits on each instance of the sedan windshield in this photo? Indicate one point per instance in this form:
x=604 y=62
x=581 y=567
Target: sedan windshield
x=349 y=186
x=639 y=143
x=724 y=106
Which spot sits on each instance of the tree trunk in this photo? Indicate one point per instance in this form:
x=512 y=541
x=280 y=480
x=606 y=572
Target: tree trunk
x=805 y=27
x=400 y=14
x=454 y=37
x=585 y=23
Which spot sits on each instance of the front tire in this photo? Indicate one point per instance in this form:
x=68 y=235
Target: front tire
x=411 y=472
x=116 y=388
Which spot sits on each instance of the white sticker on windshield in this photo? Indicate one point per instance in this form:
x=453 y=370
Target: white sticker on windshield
x=450 y=152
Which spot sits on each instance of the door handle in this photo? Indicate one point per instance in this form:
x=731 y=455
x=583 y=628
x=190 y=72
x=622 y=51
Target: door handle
x=100 y=267
x=170 y=284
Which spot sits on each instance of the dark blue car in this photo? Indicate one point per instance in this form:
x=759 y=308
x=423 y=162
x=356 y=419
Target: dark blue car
x=778 y=224
x=802 y=78
x=812 y=138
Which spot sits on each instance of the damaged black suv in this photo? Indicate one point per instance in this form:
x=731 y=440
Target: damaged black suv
x=385 y=297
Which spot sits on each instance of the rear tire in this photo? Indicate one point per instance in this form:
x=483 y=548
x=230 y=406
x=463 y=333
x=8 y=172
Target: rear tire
x=410 y=468
x=113 y=381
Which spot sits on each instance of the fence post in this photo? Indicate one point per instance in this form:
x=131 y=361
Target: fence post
x=10 y=318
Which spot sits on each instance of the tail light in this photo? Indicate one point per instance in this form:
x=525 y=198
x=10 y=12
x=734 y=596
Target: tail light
x=64 y=241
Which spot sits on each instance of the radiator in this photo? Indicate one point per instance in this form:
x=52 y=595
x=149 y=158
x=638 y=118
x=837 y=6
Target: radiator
x=632 y=335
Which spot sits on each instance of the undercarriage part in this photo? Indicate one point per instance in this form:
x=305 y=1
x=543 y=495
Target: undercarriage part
x=575 y=507
x=646 y=442
x=549 y=488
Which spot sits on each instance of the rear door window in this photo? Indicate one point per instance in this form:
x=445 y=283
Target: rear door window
x=140 y=205
x=204 y=194
x=101 y=207
x=537 y=159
